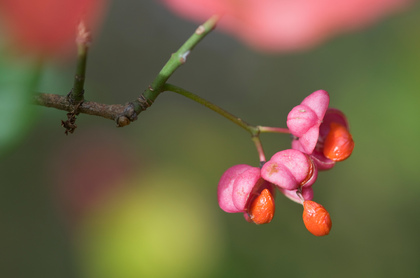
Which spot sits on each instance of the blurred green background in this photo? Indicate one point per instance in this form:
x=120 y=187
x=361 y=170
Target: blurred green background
x=140 y=201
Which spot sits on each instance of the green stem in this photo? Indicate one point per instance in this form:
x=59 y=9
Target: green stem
x=83 y=40
x=177 y=59
x=250 y=128
x=267 y=129
x=258 y=145
x=253 y=130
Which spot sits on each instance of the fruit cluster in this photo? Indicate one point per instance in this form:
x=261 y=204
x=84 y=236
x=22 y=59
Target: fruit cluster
x=321 y=138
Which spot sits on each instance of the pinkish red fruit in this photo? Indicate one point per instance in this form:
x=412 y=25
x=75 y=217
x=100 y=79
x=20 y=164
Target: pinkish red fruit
x=290 y=169
x=305 y=119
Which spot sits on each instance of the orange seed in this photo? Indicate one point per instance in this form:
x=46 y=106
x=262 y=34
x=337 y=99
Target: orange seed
x=262 y=208
x=339 y=143
x=316 y=218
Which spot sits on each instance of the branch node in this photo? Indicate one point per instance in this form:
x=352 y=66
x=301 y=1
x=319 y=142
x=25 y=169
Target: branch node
x=70 y=125
x=144 y=102
x=129 y=112
x=74 y=102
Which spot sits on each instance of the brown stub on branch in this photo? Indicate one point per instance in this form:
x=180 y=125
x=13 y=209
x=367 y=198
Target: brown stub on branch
x=70 y=124
x=123 y=121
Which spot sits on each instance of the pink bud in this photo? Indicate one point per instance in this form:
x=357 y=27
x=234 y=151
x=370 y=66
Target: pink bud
x=304 y=120
x=290 y=169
